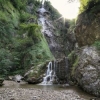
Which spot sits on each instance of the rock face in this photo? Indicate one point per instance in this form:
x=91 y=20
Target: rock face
x=87 y=29
x=87 y=72
x=48 y=30
x=56 y=73
x=62 y=70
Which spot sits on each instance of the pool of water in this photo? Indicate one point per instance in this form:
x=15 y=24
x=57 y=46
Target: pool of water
x=77 y=90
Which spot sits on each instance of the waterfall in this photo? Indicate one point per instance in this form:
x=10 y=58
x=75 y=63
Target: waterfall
x=43 y=3
x=50 y=76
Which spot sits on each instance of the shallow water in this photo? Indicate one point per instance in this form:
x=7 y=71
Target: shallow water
x=77 y=90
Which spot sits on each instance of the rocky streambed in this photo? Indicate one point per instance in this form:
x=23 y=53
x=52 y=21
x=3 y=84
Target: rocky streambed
x=23 y=91
x=37 y=94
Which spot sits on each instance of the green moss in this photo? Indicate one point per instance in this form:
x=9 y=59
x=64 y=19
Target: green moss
x=73 y=60
x=71 y=55
x=38 y=70
x=74 y=66
x=97 y=44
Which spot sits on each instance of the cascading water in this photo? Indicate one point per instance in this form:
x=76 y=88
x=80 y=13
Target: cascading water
x=56 y=70
x=50 y=74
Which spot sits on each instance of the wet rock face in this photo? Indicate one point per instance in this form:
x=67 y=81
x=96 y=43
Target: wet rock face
x=48 y=30
x=87 y=73
x=62 y=70
x=87 y=29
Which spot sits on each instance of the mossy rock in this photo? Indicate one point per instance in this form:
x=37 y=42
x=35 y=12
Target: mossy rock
x=35 y=74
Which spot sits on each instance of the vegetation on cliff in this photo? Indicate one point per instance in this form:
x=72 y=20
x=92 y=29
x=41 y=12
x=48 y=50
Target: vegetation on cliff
x=21 y=43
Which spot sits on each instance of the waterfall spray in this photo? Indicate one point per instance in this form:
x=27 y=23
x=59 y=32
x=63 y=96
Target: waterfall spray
x=50 y=76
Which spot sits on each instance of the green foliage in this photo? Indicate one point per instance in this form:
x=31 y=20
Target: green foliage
x=87 y=5
x=24 y=16
x=54 y=14
x=9 y=20
x=36 y=4
x=21 y=43
x=39 y=53
x=19 y=4
x=97 y=44
x=32 y=31
x=5 y=61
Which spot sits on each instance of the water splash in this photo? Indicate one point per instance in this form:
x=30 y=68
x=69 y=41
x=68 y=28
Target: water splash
x=50 y=76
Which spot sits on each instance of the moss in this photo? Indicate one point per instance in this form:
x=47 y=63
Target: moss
x=38 y=70
x=97 y=44
x=71 y=55
x=74 y=65
x=73 y=62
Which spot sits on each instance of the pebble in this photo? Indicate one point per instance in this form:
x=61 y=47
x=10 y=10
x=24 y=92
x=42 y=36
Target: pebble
x=37 y=94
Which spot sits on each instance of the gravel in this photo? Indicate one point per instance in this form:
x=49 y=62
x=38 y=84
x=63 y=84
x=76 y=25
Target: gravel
x=37 y=94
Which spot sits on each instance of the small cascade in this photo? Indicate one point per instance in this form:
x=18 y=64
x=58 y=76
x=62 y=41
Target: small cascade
x=50 y=74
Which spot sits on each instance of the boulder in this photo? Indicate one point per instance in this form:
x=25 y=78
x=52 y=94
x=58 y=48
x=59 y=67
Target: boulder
x=87 y=71
x=34 y=80
x=35 y=74
x=17 y=78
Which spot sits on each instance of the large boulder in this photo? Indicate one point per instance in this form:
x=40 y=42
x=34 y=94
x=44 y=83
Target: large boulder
x=87 y=71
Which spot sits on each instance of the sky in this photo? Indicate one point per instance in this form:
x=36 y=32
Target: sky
x=68 y=10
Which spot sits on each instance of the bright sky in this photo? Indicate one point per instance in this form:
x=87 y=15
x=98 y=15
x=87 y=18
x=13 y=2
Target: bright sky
x=68 y=10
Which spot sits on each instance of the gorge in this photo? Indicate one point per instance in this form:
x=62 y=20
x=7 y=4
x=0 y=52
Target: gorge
x=50 y=58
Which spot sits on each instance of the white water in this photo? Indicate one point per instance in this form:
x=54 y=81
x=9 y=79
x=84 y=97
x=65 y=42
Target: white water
x=50 y=74
x=43 y=21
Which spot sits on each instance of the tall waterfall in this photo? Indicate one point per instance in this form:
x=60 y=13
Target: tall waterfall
x=50 y=76
x=56 y=70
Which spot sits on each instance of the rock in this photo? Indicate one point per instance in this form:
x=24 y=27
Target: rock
x=87 y=71
x=35 y=74
x=33 y=80
x=48 y=30
x=87 y=31
x=1 y=81
x=17 y=78
x=39 y=94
